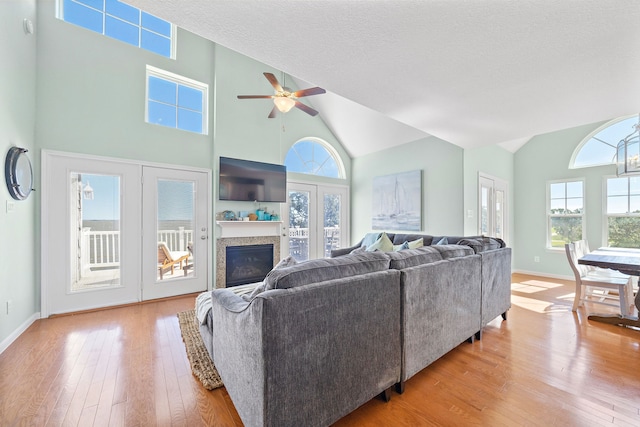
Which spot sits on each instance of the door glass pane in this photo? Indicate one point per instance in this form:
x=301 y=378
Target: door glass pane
x=95 y=231
x=484 y=211
x=332 y=205
x=175 y=226
x=299 y=225
x=499 y=214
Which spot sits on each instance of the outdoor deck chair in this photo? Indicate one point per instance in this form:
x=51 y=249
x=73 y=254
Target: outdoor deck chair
x=167 y=259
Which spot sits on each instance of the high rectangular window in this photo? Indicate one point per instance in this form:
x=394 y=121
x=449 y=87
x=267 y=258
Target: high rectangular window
x=623 y=212
x=175 y=101
x=122 y=22
x=565 y=212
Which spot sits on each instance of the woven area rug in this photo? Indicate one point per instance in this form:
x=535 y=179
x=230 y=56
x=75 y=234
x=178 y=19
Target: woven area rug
x=201 y=363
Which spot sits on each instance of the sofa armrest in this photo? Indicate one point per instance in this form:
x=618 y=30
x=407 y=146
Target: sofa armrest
x=496 y=283
x=282 y=355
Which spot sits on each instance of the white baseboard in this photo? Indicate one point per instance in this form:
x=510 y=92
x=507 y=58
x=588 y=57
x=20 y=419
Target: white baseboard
x=15 y=334
x=551 y=276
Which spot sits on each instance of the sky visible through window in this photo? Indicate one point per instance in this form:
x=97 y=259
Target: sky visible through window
x=600 y=149
x=175 y=199
x=175 y=105
x=121 y=22
x=312 y=158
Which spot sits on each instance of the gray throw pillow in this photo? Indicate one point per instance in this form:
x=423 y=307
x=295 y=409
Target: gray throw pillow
x=285 y=262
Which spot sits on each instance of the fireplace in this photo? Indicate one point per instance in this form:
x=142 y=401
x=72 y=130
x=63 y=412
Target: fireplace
x=248 y=264
x=223 y=243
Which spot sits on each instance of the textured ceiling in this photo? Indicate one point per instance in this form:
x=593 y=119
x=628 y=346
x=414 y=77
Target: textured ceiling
x=472 y=72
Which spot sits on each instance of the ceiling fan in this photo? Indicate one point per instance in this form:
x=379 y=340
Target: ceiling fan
x=284 y=99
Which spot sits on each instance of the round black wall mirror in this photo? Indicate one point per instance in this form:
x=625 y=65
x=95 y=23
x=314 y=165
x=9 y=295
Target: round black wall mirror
x=18 y=173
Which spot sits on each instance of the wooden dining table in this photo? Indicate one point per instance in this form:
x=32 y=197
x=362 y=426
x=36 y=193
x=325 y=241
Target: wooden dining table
x=624 y=260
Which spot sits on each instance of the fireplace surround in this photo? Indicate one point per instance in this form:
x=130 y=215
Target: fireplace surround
x=221 y=252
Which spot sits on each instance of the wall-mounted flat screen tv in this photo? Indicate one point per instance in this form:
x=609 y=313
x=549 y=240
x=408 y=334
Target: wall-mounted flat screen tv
x=246 y=180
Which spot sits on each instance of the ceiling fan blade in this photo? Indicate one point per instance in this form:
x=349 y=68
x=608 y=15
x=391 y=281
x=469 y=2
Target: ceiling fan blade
x=273 y=113
x=274 y=82
x=306 y=109
x=255 y=96
x=309 y=92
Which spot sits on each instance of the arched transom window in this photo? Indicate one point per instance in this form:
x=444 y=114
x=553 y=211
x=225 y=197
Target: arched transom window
x=599 y=147
x=314 y=157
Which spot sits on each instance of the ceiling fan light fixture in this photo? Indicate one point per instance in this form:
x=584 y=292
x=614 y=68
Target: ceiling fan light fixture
x=284 y=103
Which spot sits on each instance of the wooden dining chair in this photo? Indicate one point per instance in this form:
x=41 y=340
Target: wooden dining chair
x=602 y=280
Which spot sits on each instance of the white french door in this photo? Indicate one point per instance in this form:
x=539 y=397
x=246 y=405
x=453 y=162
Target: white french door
x=95 y=212
x=493 y=205
x=175 y=232
x=90 y=233
x=315 y=220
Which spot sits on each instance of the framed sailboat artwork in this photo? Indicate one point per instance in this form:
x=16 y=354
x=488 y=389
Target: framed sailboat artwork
x=397 y=202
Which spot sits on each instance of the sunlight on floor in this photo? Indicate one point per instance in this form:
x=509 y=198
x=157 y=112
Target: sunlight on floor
x=539 y=306
x=535 y=286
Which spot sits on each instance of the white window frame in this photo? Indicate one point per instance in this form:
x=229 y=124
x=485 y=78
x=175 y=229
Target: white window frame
x=549 y=215
x=605 y=204
x=172 y=38
x=152 y=71
x=332 y=152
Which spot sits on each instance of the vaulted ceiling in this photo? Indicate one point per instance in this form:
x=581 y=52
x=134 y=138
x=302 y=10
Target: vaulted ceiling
x=471 y=72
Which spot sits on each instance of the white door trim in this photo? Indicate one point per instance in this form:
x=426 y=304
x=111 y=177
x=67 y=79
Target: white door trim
x=46 y=156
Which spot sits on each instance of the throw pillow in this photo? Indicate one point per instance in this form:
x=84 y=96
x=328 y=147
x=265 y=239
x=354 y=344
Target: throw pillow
x=370 y=238
x=285 y=262
x=418 y=243
x=358 y=249
x=443 y=241
x=397 y=248
x=383 y=244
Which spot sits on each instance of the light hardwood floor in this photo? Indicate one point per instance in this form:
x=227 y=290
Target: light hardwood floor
x=544 y=366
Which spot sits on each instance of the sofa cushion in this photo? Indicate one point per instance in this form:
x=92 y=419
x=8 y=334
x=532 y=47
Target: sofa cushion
x=413 y=257
x=383 y=244
x=481 y=244
x=453 y=251
x=320 y=270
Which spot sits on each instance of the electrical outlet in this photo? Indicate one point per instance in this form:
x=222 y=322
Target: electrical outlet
x=536 y=258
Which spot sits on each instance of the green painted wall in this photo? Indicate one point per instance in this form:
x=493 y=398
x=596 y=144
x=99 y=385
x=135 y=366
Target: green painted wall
x=442 y=195
x=17 y=121
x=69 y=89
x=243 y=130
x=496 y=162
x=546 y=158
x=91 y=94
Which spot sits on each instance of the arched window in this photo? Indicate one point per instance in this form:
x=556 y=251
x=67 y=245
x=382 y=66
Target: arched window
x=313 y=156
x=599 y=147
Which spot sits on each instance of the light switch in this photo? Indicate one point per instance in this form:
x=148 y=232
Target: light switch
x=10 y=206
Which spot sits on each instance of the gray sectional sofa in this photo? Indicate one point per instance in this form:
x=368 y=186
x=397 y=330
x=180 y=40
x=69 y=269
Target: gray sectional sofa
x=320 y=338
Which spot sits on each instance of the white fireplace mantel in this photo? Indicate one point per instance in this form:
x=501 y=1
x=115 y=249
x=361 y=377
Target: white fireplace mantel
x=249 y=228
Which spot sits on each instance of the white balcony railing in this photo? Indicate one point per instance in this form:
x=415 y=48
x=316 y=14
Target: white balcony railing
x=101 y=249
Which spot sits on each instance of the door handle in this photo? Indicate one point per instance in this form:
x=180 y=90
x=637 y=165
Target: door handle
x=203 y=237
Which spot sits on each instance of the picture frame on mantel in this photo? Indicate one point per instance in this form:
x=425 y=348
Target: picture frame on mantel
x=397 y=202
